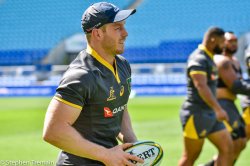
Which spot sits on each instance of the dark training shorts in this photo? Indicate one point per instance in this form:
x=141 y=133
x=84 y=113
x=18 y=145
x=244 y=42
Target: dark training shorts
x=70 y=159
x=199 y=124
x=236 y=123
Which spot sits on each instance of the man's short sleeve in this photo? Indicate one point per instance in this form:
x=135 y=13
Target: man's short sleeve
x=197 y=66
x=73 y=88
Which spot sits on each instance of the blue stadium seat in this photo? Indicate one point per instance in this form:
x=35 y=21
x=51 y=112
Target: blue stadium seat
x=161 y=31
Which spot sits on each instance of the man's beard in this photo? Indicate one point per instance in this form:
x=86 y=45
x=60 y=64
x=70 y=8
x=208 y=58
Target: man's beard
x=230 y=51
x=217 y=50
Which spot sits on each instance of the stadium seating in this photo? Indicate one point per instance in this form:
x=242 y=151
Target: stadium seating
x=162 y=31
x=166 y=52
x=29 y=29
x=21 y=57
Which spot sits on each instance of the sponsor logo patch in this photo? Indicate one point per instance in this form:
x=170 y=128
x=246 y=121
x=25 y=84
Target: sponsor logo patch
x=214 y=75
x=108 y=113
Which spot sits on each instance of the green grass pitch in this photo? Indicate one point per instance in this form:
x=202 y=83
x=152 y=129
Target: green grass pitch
x=153 y=118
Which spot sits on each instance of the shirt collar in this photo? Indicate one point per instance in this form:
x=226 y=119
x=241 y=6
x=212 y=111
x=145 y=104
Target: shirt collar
x=93 y=53
x=202 y=47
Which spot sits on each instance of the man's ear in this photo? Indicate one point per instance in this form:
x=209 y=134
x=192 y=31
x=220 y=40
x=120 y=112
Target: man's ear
x=212 y=39
x=97 y=33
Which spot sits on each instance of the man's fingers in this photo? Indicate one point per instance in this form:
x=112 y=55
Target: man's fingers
x=131 y=160
x=126 y=146
x=135 y=158
x=128 y=163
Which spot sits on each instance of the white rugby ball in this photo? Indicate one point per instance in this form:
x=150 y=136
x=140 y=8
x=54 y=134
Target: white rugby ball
x=149 y=151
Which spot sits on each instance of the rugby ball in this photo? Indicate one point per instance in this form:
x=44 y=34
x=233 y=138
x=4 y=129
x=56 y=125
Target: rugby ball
x=149 y=151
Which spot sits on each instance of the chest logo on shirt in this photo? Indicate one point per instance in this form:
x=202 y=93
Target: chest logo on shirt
x=107 y=112
x=122 y=90
x=214 y=74
x=111 y=94
x=214 y=77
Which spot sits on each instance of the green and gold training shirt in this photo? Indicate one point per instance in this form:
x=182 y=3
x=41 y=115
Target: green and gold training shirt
x=200 y=62
x=101 y=91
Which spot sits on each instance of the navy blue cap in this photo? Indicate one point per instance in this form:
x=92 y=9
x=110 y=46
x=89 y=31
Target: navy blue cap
x=102 y=13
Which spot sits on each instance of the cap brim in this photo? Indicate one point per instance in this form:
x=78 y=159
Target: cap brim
x=123 y=14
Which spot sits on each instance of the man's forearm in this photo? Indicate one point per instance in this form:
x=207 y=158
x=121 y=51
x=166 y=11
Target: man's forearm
x=126 y=129
x=68 y=139
x=208 y=97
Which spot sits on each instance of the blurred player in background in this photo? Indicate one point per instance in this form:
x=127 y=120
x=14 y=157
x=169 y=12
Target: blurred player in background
x=89 y=109
x=230 y=84
x=246 y=101
x=201 y=114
